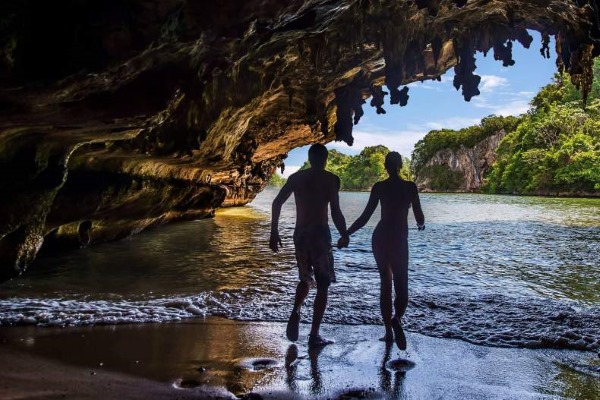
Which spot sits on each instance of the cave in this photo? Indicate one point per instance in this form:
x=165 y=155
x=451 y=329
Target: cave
x=118 y=116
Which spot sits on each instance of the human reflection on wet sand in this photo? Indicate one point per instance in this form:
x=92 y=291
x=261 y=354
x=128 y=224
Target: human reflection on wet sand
x=391 y=387
x=291 y=368
x=391 y=373
x=291 y=362
x=316 y=386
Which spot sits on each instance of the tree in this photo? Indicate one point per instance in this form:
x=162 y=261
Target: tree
x=360 y=172
x=276 y=180
x=556 y=147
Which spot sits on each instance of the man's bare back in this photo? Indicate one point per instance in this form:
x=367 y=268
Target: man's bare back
x=313 y=191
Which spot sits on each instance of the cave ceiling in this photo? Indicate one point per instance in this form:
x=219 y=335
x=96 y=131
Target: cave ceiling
x=120 y=115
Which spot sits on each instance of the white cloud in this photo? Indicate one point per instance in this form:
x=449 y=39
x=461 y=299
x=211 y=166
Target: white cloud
x=513 y=104
x=431 y=86
x=400 y=141
x=289 y=169
x=528 y=95
x=514 y=107
x=490 y=82
x=448 y=78
x=452 y=123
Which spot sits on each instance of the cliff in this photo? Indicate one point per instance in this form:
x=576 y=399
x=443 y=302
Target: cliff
x=115 y=116
x=460 y=170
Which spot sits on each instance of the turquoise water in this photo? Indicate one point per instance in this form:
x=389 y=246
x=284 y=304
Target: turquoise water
x=494 y=270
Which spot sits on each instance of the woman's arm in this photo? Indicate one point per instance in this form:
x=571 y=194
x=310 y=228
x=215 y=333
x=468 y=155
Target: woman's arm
x=417 y=210
x=369 y=209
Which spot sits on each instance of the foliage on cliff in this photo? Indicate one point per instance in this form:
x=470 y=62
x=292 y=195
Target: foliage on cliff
x=276 y=180
x=556 y=147
x=437 y=140
x=361 y=171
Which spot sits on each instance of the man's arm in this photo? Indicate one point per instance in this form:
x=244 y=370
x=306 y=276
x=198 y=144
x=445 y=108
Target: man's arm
x=417 y=211
x=336 y=213
x=282 y=196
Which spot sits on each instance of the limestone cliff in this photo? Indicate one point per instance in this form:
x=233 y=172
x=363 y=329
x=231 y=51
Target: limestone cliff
x=118 y=115
x=460 y=170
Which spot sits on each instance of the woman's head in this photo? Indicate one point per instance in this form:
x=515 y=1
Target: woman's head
x=393 y=162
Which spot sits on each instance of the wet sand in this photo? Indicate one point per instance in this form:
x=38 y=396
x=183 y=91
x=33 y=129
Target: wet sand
x=220 y=358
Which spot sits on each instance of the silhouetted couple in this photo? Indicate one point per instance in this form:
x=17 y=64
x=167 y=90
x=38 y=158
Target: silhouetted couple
x=314 y=189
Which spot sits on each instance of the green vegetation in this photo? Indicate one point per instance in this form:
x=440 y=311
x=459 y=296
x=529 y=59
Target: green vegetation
x=556 y=147
x=438 y=140
x=442 y=178
x=276 y=180
x=552 y=149
x=360 y=172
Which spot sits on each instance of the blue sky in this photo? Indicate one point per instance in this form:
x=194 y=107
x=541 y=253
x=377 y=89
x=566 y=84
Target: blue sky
x=436 y=105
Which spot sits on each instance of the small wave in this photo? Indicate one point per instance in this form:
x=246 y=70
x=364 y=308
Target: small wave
x=491 y=320
x=496 y=320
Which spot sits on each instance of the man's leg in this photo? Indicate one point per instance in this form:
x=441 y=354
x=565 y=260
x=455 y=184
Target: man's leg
x=293 y=324
x=324 y=276
x=314 y=339
x=319 y=307
x=301 y=293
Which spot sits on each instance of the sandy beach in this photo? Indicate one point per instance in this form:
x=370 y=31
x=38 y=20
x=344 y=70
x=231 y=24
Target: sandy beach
x=220 y=358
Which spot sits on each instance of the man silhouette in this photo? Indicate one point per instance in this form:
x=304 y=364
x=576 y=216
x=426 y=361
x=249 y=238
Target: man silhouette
x=314 y=189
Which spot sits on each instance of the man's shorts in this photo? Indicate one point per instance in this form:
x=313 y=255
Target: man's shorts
x=314 y=254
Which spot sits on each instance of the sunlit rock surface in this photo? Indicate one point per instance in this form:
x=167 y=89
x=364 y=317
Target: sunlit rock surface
x=467 y=165
x=115 y=116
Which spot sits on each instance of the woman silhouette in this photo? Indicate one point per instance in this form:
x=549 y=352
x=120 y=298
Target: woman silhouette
x=390 y=242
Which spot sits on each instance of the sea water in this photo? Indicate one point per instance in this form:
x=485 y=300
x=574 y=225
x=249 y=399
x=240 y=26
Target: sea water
x=491 y=270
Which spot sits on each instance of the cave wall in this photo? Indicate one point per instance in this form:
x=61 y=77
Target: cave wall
x=119 y=115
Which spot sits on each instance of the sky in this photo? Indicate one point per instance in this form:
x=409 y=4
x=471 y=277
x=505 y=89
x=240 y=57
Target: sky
x=436 y=105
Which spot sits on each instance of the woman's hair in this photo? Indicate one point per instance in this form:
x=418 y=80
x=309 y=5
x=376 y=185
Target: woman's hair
x=393 y=162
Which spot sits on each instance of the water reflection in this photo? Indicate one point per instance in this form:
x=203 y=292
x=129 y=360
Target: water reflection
x=577 y=385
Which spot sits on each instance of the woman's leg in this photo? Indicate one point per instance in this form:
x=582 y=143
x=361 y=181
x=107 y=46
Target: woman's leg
x=399 y=266
x=385 y=275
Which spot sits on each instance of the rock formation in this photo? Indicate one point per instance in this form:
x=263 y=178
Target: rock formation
x=118 y=115
x=467 y=166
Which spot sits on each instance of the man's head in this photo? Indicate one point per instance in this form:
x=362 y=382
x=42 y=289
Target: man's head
x=317 y=156
x=393 y=162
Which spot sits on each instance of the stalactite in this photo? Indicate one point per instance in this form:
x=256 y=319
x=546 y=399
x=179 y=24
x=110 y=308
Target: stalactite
x=545 y=50
x=503 y=52
x=584 y=76
x=378 y=98
x=463 y=71
x=343 y=125
x=524 y=38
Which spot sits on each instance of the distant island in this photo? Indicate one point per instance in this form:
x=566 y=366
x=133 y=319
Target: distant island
x=357 y=173
x=553 y=149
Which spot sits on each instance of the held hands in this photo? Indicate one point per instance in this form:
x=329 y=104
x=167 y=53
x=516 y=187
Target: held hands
x=275 y=242
x=343 y=241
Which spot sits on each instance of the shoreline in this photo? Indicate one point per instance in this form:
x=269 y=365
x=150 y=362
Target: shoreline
x=216 y=357
x=594 y=196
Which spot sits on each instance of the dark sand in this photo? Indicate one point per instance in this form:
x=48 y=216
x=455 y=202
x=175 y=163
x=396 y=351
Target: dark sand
x=221 y=358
